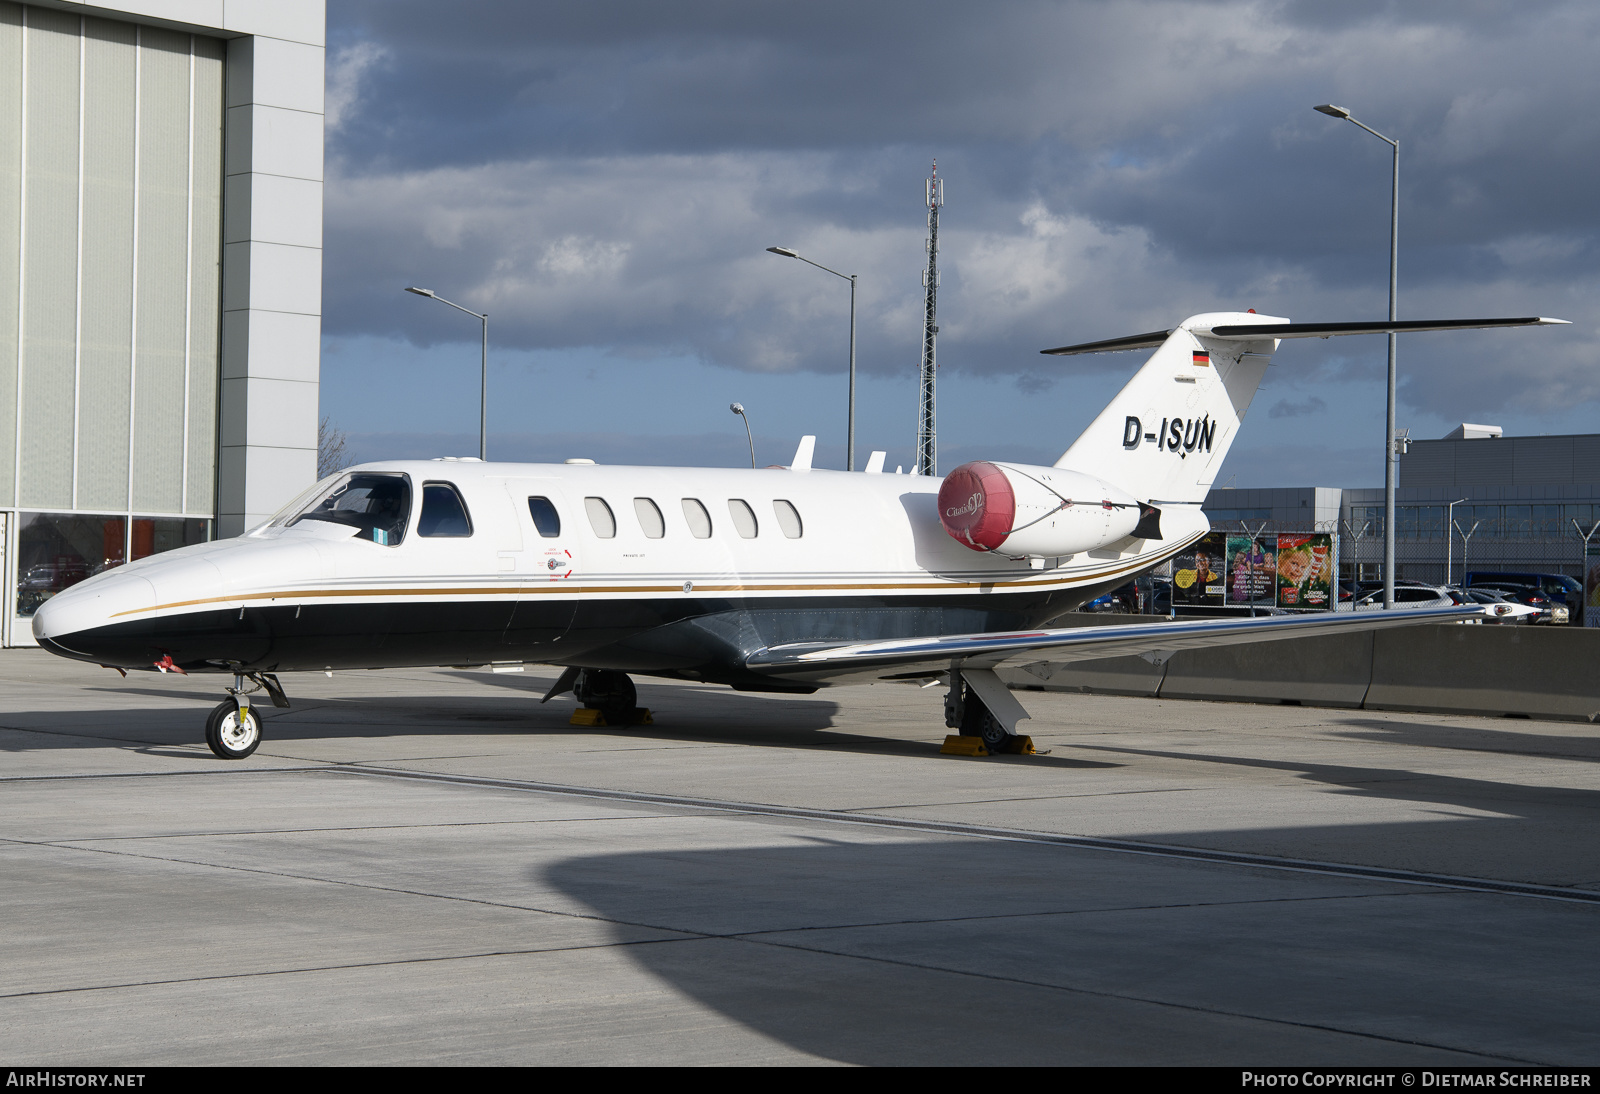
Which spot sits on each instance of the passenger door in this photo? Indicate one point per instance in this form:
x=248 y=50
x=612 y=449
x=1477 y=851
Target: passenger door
x=546 y=569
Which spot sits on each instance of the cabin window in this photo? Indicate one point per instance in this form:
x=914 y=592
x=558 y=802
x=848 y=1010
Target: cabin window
x=744 y=517
x=376 y=504
x=650 y=520
x=600 y=518
x=545 y=517
x=698 y=519
x=788 y=519
x=443 y=511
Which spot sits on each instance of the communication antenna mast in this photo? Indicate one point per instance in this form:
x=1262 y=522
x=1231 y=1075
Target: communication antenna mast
x=927 y=440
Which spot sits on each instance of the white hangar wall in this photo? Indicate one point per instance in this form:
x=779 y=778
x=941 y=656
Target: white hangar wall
x=160 y=278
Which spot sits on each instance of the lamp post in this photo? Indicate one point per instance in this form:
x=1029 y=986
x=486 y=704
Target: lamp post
x=1449 y=541
x=850 y=428
x=738 y=408
x=1390 y=453
x=483 y=398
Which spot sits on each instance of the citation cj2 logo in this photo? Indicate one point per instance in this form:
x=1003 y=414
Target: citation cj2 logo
x=1180 y=435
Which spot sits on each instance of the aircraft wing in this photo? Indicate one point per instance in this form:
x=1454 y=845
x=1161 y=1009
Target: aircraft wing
x=911 y=657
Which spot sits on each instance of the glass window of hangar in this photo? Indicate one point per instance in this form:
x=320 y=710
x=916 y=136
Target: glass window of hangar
x=55 y=551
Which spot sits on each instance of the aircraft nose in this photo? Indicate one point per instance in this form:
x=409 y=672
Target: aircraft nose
x=78 y=622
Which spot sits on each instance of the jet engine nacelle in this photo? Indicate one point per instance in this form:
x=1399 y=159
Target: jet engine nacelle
x=1017 y=510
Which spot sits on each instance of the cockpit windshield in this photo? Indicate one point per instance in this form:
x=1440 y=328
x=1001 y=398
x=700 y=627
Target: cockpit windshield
x=376 y=504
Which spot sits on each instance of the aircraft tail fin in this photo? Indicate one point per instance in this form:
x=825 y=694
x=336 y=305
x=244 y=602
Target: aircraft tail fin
x=1165 y=435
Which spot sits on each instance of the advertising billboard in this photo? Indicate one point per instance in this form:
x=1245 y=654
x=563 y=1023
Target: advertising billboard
x=1252 y=570
x=1198 y=574
x=1304 y=573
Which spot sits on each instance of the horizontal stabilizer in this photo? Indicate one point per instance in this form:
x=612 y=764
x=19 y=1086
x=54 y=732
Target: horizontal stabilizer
x=1404 y=326
x=1300 y=330
x=1112 y=345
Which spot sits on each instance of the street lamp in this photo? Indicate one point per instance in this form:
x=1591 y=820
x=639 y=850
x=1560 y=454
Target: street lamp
x=1390 y=452
x=850 y=429
x=738 y=408
x=483 y=400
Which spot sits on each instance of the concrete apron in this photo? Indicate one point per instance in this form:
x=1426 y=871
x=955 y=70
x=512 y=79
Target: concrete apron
x=1537 y=672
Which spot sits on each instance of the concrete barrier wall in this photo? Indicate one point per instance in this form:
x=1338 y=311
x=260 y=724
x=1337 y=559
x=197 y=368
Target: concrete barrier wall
x=1108 y=675
x=1541 y=672
x=1330 y=671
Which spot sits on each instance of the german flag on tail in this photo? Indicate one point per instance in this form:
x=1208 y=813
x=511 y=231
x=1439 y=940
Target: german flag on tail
x=1202 y=359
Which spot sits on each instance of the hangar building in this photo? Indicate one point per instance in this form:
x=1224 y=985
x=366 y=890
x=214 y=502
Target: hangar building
x=160 y=279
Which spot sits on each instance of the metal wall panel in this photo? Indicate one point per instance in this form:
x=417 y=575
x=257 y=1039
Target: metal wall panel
x=1428 y=464
x=1540 y=460
x=161 y=302
x=10 y=237
x=1484 y=462
x=1586 y=458
x=111 y=150
x=49 y=258
x=105 y=324
x=205 y=276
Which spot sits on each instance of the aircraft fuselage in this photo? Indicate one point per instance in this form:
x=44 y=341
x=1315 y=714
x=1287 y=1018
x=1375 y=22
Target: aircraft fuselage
x=702 y=568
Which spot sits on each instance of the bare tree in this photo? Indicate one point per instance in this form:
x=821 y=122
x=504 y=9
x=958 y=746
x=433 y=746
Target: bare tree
x=331 y=449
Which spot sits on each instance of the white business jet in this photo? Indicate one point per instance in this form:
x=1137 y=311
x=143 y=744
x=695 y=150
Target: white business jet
x=783 y=579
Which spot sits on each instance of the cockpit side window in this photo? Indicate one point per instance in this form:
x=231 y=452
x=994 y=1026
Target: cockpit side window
x=375 y=503
x=443 y=511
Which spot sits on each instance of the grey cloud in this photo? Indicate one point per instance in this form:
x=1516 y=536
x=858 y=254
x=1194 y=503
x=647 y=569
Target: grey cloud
x=609 y=174
x=1284 y=408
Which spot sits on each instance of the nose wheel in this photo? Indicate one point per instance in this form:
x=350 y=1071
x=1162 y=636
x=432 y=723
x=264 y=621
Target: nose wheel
x=233 y=731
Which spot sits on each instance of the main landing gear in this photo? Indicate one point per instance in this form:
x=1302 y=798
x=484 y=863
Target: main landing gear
x=980 y=705
x=234 y=728
x=607 y=692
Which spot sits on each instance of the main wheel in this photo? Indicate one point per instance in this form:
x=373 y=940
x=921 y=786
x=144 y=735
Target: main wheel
x=229 y=738
x=976 y=721
x=608 y=691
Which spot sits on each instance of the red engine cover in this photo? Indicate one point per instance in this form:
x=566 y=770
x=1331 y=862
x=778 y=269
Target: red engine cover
x=977 y=506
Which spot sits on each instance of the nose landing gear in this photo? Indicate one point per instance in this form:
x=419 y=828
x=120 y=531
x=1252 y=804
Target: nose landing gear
x=234 y=729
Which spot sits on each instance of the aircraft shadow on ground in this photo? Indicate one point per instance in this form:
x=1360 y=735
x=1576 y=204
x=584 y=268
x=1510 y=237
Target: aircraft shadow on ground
x=508 y=706
x=973 y=952
x=1478 y=735
x=1524 y=821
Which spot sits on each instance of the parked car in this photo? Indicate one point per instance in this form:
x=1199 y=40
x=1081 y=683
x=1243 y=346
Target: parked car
x=1563 y=590
x=1411 y=595
x=43 y=580
x=1550 y=611
x=1499 y=608
x=54 y=576
x=1124 y=600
